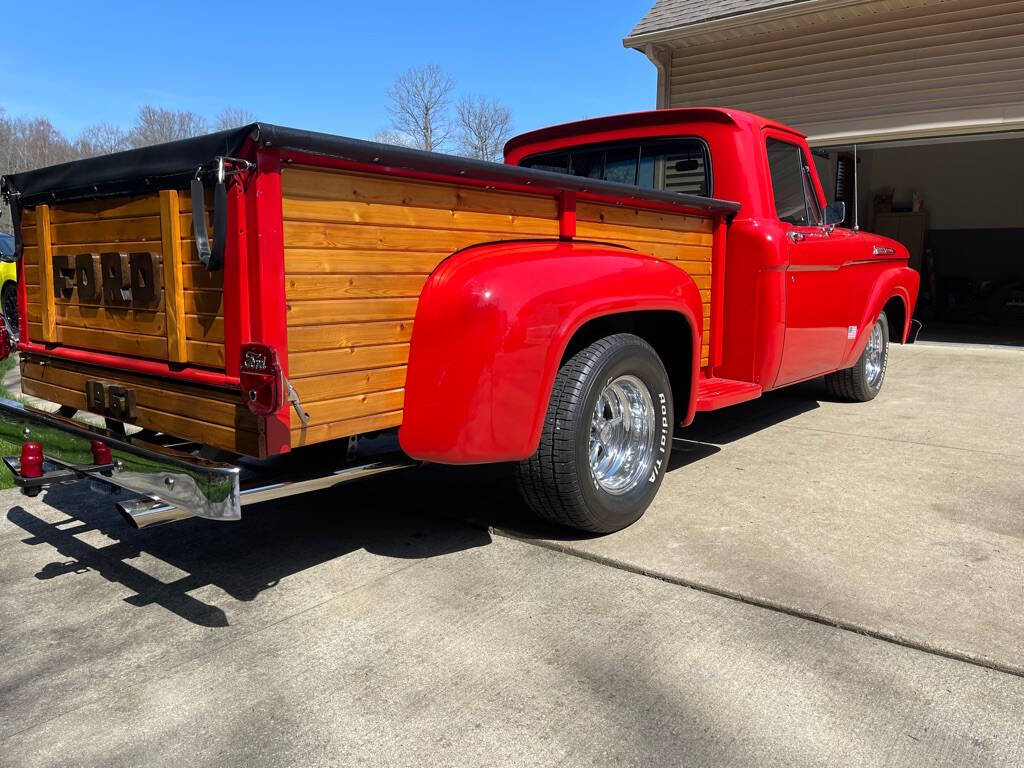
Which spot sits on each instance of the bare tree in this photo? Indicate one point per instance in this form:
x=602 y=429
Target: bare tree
x=388 y=136
x=419 y=106
x=7 y=154
x=482 y=127
x=155 y=125
x=29 y=143
x=7 y=142
x=40 y=144
x=101 y=139
x=233 y=117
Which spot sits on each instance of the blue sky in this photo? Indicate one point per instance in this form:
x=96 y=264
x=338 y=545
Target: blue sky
x=317 y=65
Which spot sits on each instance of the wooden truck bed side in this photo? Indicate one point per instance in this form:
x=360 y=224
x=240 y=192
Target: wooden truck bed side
x=359 y=247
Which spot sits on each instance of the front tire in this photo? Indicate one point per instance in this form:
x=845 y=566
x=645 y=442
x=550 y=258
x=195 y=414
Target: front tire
x=606 y=440
x=863 y=381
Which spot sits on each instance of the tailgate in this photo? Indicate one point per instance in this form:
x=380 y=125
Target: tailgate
x=121 y=275
x=112 y=283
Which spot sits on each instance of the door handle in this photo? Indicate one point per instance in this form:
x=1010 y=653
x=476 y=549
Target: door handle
x=796 y=237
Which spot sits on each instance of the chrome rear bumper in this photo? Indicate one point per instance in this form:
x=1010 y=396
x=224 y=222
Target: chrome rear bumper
x=203 y=488
x=172 y=484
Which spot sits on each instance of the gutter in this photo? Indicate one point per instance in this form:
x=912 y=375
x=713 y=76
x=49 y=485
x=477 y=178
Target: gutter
x=661 y=57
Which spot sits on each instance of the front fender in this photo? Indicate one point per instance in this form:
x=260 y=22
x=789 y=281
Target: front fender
x=491 y=327
x=900 y=282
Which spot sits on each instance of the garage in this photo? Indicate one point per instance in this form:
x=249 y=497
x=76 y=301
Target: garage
x=957 y=204
x=923 y=98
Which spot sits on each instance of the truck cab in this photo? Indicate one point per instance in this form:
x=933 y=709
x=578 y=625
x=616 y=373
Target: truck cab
x=801 y=288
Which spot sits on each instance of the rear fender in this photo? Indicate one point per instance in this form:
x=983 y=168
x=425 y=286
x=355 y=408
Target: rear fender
x=896 y=282
x=492 y=325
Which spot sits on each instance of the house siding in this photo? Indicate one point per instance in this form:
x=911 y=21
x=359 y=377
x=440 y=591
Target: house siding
x=875 y=70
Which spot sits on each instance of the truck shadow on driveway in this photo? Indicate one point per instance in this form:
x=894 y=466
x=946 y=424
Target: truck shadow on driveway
x=420 y=514
x=272 y=541
x=486 y=496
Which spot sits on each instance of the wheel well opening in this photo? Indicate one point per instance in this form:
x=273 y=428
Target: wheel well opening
x=668 y=332
x=896 y=314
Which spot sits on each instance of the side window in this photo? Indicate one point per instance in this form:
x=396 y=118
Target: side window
x=795 y=201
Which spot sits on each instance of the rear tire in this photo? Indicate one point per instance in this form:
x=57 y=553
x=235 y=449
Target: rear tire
x=606 y=440
x=863 y=381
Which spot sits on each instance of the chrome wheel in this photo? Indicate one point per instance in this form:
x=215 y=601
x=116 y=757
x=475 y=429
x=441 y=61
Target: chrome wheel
x=622 y=435
x=874 y=357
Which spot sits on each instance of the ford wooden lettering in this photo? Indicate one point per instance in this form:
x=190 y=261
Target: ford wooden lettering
x=567 y=312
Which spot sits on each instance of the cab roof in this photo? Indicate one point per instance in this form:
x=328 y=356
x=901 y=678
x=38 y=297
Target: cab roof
x=640 y=120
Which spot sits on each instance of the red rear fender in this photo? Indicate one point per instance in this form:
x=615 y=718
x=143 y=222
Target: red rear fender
x=492 y=325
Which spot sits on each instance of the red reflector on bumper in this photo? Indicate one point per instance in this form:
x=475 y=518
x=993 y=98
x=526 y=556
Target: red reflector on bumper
x=31 y=460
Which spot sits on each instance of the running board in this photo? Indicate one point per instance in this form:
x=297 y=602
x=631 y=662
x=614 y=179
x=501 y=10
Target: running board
x=713 y=393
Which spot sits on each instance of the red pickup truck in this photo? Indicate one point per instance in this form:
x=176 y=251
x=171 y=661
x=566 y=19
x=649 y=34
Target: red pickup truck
x=257 y=312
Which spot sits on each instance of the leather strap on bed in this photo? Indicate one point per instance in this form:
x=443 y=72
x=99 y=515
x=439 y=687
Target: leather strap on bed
x=212 y=257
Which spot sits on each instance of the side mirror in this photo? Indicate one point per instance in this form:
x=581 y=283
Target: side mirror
x=835 y=214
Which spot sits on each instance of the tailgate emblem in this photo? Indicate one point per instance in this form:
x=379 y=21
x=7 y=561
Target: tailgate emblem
x=116 y=278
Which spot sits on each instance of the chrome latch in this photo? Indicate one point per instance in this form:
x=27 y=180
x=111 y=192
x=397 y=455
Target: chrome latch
x=293 y=398
x=224 y=166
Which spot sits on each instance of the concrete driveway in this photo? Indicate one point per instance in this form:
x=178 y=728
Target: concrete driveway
x=817 y=584
x=902 y=518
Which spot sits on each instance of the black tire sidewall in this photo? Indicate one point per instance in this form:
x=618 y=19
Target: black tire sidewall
x=631 y=357
x=10 y=323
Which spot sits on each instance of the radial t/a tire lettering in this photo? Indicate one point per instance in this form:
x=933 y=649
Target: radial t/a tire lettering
x=606 y=439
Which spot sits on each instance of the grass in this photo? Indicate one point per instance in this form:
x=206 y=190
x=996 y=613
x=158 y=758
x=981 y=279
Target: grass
x=6 y=366
x=7 y=447
x=71 y=448
x=75 y=449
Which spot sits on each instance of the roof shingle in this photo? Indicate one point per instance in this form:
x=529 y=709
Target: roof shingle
x=667 y=14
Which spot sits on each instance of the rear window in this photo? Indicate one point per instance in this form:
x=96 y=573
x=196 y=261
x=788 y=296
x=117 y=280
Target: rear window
x=671 y=165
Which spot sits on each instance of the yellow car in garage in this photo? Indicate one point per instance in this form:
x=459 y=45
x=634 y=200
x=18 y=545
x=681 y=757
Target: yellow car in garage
x=9 y=285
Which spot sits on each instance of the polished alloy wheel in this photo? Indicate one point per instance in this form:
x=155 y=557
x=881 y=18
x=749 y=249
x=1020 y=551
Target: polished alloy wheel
x=874 y=357
x=622 y=435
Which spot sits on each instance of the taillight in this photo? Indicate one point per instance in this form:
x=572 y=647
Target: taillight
x=261 y=379
x=5 y=341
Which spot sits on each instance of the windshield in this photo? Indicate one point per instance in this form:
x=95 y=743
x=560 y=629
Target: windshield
x=6 y=245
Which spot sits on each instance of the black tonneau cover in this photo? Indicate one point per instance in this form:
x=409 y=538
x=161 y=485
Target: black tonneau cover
x=173 y=165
